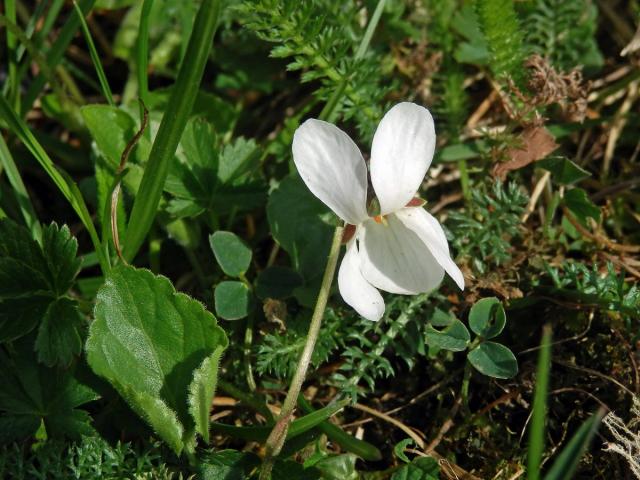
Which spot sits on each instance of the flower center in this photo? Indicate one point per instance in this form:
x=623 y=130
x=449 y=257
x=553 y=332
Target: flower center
x=381 y=219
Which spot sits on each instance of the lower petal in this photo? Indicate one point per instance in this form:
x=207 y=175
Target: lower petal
x=395 y=259
x=430 y=231
x=355 y=290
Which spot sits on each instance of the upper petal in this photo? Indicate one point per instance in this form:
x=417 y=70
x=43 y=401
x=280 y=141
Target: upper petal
x=393 y=258
x=430 y=231
x=332 y=167
x=355 y=290
x=401 y=153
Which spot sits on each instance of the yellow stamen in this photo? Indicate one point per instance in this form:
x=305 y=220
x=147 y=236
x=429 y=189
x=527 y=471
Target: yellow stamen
x=381 y=219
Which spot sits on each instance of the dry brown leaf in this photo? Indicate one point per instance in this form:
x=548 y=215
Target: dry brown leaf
x=536 y=142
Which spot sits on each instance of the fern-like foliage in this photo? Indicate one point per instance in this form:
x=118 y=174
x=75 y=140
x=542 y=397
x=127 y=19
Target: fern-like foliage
x=321 y=38
x=364 y=350
x=590 y=285
x=90 y=458
x=503 y=33
x=278 y=353
x=452 y=107
x=401 y=332
x=484 y=232
x=563 y=31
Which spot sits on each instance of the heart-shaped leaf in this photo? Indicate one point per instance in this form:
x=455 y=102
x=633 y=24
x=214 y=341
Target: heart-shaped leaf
x=232 y=254
x=563 y=170
x=494 y=360
x=455 y=337
x=580 y=205
x=233 y=300
x=157 y=348
x=487 y=317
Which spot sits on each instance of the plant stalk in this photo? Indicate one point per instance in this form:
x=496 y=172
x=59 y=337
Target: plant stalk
x=173 y=123
x=279 y=433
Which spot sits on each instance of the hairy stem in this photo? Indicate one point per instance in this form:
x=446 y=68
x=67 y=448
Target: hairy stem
x=279 y=433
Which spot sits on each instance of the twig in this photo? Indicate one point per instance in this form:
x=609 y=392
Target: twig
x=446 y=426
x=600 y=240
x=482 y=109
x=408 y=430
x=618 y=124
x=564 y=340
x=535 y=195
x=595 y=373
x=621 y=263
x=115 y=193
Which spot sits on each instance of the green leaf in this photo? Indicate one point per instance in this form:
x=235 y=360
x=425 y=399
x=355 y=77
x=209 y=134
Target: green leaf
x=232 y=254
x=567 y=461
x=399 y=448
x=32 y=394
x=18 y=316
x=337 y=467
x=363 y=449
x=199 y=147
x=206 y=177
x=487 y=317
x=202 y=390
x=563 y=170
x=297 y=427
x=177 y=113
x=33 y=282
x=580 y=205
x=284 y=469
x=59 y=249
x=422 y=468
x=440 y=318
x=233 y=300
x=295 y=218
x=277 y=282
x=454 y=338
x=60 y=178
x=149 y=342
x=23 y=269
x=539 y=411
x=236 y=160
x=58 y=340
x=494 y=360
x=476 y=49
x=227 y=465
x=112 y=129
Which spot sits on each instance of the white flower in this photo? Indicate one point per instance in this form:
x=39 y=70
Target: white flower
x=404 y=249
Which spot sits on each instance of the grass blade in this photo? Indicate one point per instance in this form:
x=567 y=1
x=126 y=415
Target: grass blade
x=567 y=461
x=14 y=87
x=142 y=51
x=95 y=58
x=173 y=122
x=54 y=55
x=363 y=449
x=13 y=175
x=298 y=427
x=539 y=414
x=65 y=184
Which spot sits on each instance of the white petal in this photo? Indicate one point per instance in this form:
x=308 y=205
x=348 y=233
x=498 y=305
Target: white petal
x=401 y=153
x=332 y=167
x=355 y=290
x=430 y=231
x=394 y=259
